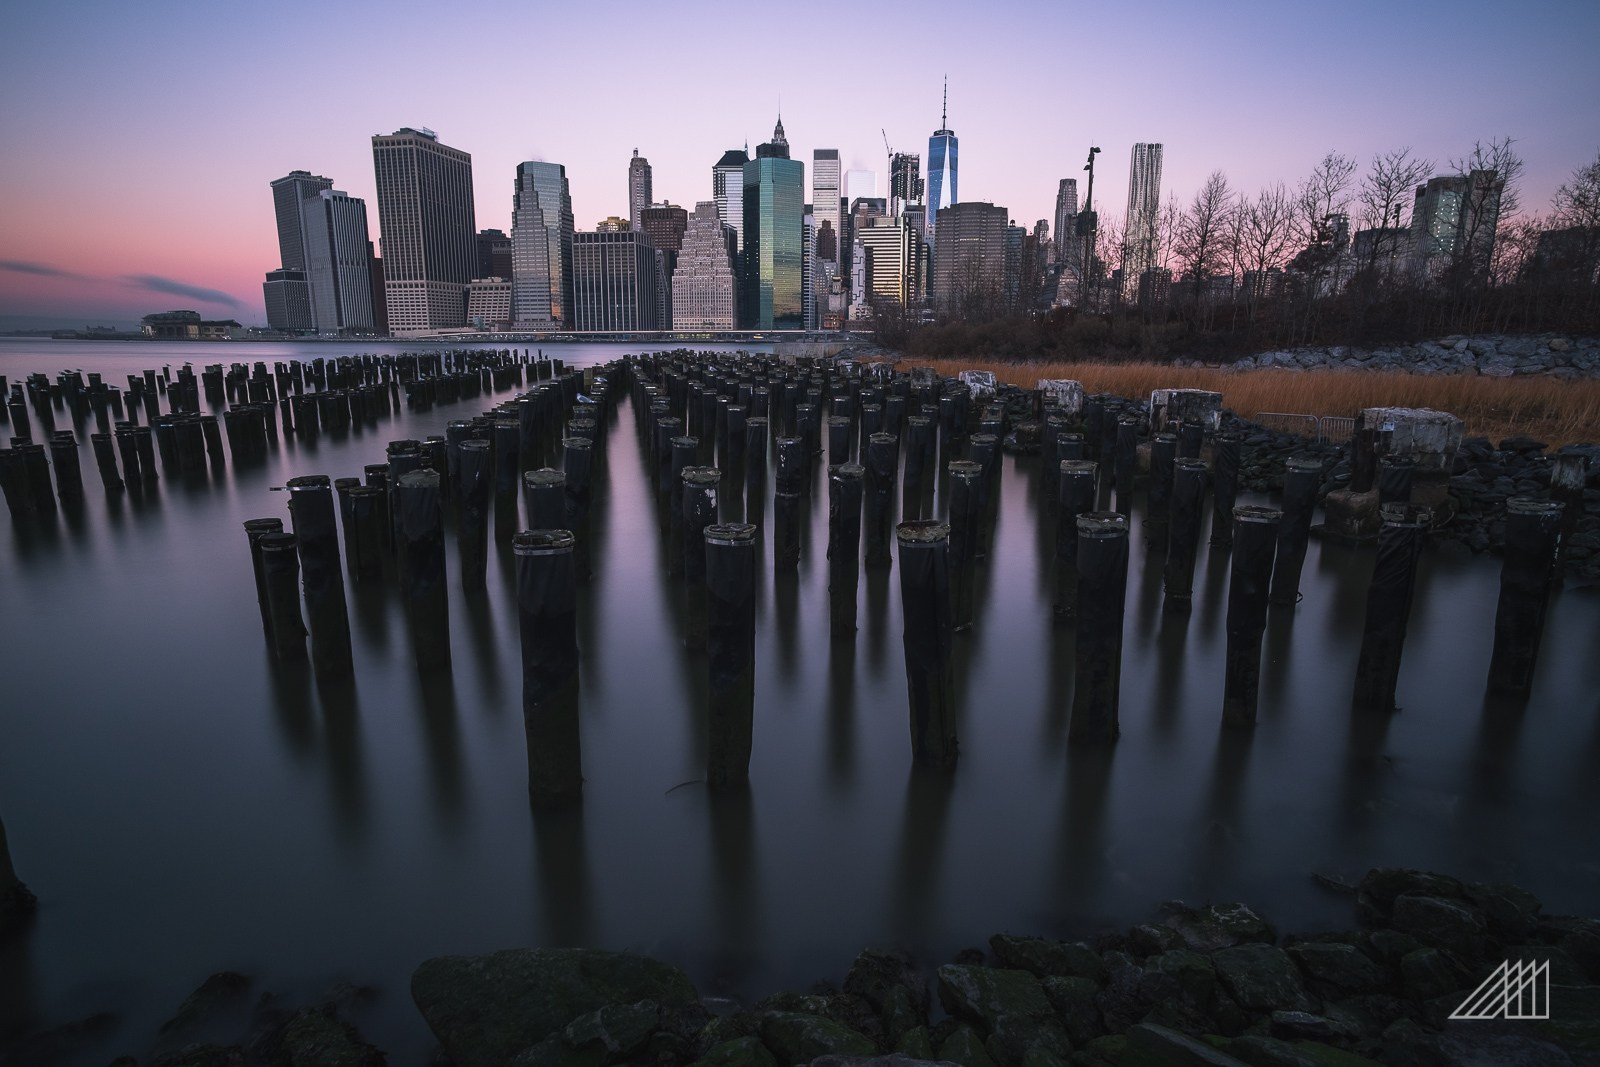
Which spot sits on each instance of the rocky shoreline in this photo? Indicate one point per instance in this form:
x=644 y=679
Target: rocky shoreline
x=1491 y=355
x=1213 y=985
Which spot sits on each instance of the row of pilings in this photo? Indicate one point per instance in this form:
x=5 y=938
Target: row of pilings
x=734 y=445
x=252 y=409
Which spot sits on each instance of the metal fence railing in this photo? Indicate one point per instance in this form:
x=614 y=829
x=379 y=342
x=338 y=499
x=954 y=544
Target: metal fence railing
x=1336 y=427
x=1326 y=428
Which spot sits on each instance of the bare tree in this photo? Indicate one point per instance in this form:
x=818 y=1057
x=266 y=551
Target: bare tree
x=1200 y=245
x=1576 y=207
x=1489 y=209
x=1264 y=229
x=1324 y=192
x=1388 y=188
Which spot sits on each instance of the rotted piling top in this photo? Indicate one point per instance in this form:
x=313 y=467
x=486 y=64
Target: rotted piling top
x=1255 y=513
x=544 y=476
x=475 y=444
x=1068 y=393
x=263 y=526
x=1187 y=464
x=965 y=468
x=344 y=485
x=399 y=447
x=1413 y=515
x=838 y=420
x=1524 y=505
x=1082 y=466
x=1569 y=470
x=577 y=442
x=1429 y=437
x=730 y=533
x=542 y=542
x=847 y=471
x=308 y=481
x=922 y=532
x=1177 y=406
x=707 y=477
x=1304 y=463
x=1102 y=525
x=756 y=420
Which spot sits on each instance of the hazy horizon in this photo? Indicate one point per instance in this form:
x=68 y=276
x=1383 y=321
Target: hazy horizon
x=142 y=140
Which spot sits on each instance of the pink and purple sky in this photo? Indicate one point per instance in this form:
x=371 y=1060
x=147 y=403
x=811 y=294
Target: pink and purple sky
x=139 y=139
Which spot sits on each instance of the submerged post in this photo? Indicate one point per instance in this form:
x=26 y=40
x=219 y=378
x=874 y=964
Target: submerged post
x=844 y=547
x=1102 y=589
x=699 y=511
x=547 y=612
x=1533 y=533
x=882 y=459
x=1075 y=496
x=731 y=650
x=1224 y=488
x=1389 y=594
x=1569 y=473
x=1158 y=501
x=1188 y=501
x=966 y=512
x=925 y=600
x=1127 y=463
x=316 y=529
x=422 y=572
x=473 y=478
x=1302 y=477
x=15 y=899
x=280 y=571
x=1256 y=537
x=254 y=531
x=786 y=503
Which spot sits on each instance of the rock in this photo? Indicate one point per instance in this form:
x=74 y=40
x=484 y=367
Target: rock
x=1220 y=926
x=795 y=1037
x=1158 y=1046
x=740 y=1052
x=1008 y=1006
x=1380 y=886
x=487 y=1009
x=1074 y=1001
x=916 y=1043
x=314 y=1038
x=1261 y=978
x=222 y=991
x=1427 y=973
x=894 y=1059
x=614 y=1032
x=1308 y=1026
x=1442 y=923
x=1335 y=969
x=202 y=1056
x=1511 y=914
x=1065 y=959
x=1522 y=444
x=1578 y=937
x=1406 y=1044
x=965 y=1047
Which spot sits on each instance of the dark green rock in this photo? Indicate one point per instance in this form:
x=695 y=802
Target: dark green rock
x=875 y=975
x=1407 y=1044
x=1261 y=978
x=1074 y=1001
x=740 y=1052
x=1304 y=1025
x=965 y=1047
x=1042 y=958
x=1377 y=891
x=1258 y=1050
x=314 y=1038
x=796 y=1037
x=1511 y=913
x=916 y=1043
x=1219 y=926
x=1335 y=969
x=220 y=992
x=487 y=1009
x=202 y=1056
x=986 y=996
x=616 y=1031
x=1159 y=1046
x=1427 y=973
x=1149 y=940
x=1441 y=923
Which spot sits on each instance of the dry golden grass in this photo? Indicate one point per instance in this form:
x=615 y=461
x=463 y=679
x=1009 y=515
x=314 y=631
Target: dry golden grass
x=1554 y=411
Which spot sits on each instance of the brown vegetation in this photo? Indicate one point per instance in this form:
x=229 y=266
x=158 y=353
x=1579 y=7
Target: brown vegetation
x=1554 y=411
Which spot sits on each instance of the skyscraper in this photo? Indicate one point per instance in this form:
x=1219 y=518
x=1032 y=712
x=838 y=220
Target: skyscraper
x=614 y=278
x=494 y=255
x=429 y=230
x=893 y=251
x=727 y=191
x=1453 y=222
x=1066 y=217
x=971 y=264
x=541 y=242
x=287 y=290
x=640 y=193
x=1141 y=237
x=905 y=182
x=335 y=228
x=774 y=240
x=827 y=212
x=703 y=285
x=665 y=225
x=942 y=168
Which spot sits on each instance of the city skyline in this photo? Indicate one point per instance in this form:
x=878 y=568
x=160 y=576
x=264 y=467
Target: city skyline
x=229 y=126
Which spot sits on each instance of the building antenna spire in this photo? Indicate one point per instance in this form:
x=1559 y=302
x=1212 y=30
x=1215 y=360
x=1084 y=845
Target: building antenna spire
x=944 y=109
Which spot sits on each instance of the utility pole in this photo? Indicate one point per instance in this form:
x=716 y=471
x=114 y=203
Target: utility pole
x=1087 y=225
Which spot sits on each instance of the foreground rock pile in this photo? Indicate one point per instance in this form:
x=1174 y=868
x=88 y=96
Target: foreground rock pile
x=1492 y=356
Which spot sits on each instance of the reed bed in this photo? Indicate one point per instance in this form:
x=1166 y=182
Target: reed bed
x=1554 y=411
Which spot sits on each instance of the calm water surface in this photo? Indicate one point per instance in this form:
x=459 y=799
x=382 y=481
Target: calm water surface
x=182 y=806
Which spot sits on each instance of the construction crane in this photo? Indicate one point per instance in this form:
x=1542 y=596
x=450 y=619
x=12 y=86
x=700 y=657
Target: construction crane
x=889 y=172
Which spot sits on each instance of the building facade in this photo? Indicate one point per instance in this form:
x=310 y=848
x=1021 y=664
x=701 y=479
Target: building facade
x=905 y=182
x=286 y=290
x=614 y=276
x=489 y=303
x=1141 y=234
x=1453 y=223
x=541 y=247
x=429 y=238
x=971 y=264
x=288 y=300
x=704 y=287
x=640 y=188
x=942 y=169
x=494 y=254
x=774 y=239
x=892 y=271
x=337 y=262
x=727 y=191
x=1067 y=221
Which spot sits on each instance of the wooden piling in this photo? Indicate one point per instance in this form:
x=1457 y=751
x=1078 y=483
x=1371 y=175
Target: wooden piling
x=731 y=651
x=1255 y=543
x=925 y=602
x=1102 y=589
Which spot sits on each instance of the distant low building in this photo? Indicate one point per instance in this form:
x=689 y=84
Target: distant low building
x=489 y=303
x=186 y=326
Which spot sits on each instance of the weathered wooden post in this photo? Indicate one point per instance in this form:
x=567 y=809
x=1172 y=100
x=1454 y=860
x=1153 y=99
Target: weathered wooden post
x=839 y=451
x=1395 y=475
x=546 y=493
x=578 y=465
x=473 y=477
x=755 y=465
x=105 y=459
x=1302 y=477
x=1127 y=461
x=64 y=458
x=925 y=600
x=882 y=461
x=254 y=531
x=1255 y=541
x=919 y=431
x=1569 y=473
x=1075 y=495
x=1394 y=575
x=1191 y=436
x=786 y=500
x=699 y=511
x=280 y=572
x=311 y=510
x=1158 y=500
x=1188 y=503
x=506 y=435
x=423 y=585
x=1533 y=534
x=1102 y=588
x=984 y=450
x=844 y=547
x=730 y=562
x=966 y=516
x=547 y=613
x=1224 y=488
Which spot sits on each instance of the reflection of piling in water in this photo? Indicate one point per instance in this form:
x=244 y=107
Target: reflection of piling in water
x=1127 y=461
x=1224 y=488
x=422 y=567
x=105 y=459
x=473 y=463
x=254 y=531
x=966 y=514
x=1389 y=596
x=547 y=610
x=1302 y=477
x=578 y=465
x=1569 y=473
x=1102 y=588
x=882 y=460
x=925 y=602
x=844 y=547
x=1188 y=502
x=1075 y=495
x=280 y=573
x=1533 y=533
x=699 y=511
x=1255 y=541
x=731 y=650
x=311 y=510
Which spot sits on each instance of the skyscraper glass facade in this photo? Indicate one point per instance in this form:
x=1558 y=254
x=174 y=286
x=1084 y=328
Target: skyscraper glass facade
x=774 y=242
x=541 y=289
x=942 y=171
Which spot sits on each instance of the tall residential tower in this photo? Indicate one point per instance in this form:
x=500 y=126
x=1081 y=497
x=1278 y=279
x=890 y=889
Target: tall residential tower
x=541 y=246
x=429 y=230
x=640 y=192
x=1141 y=235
